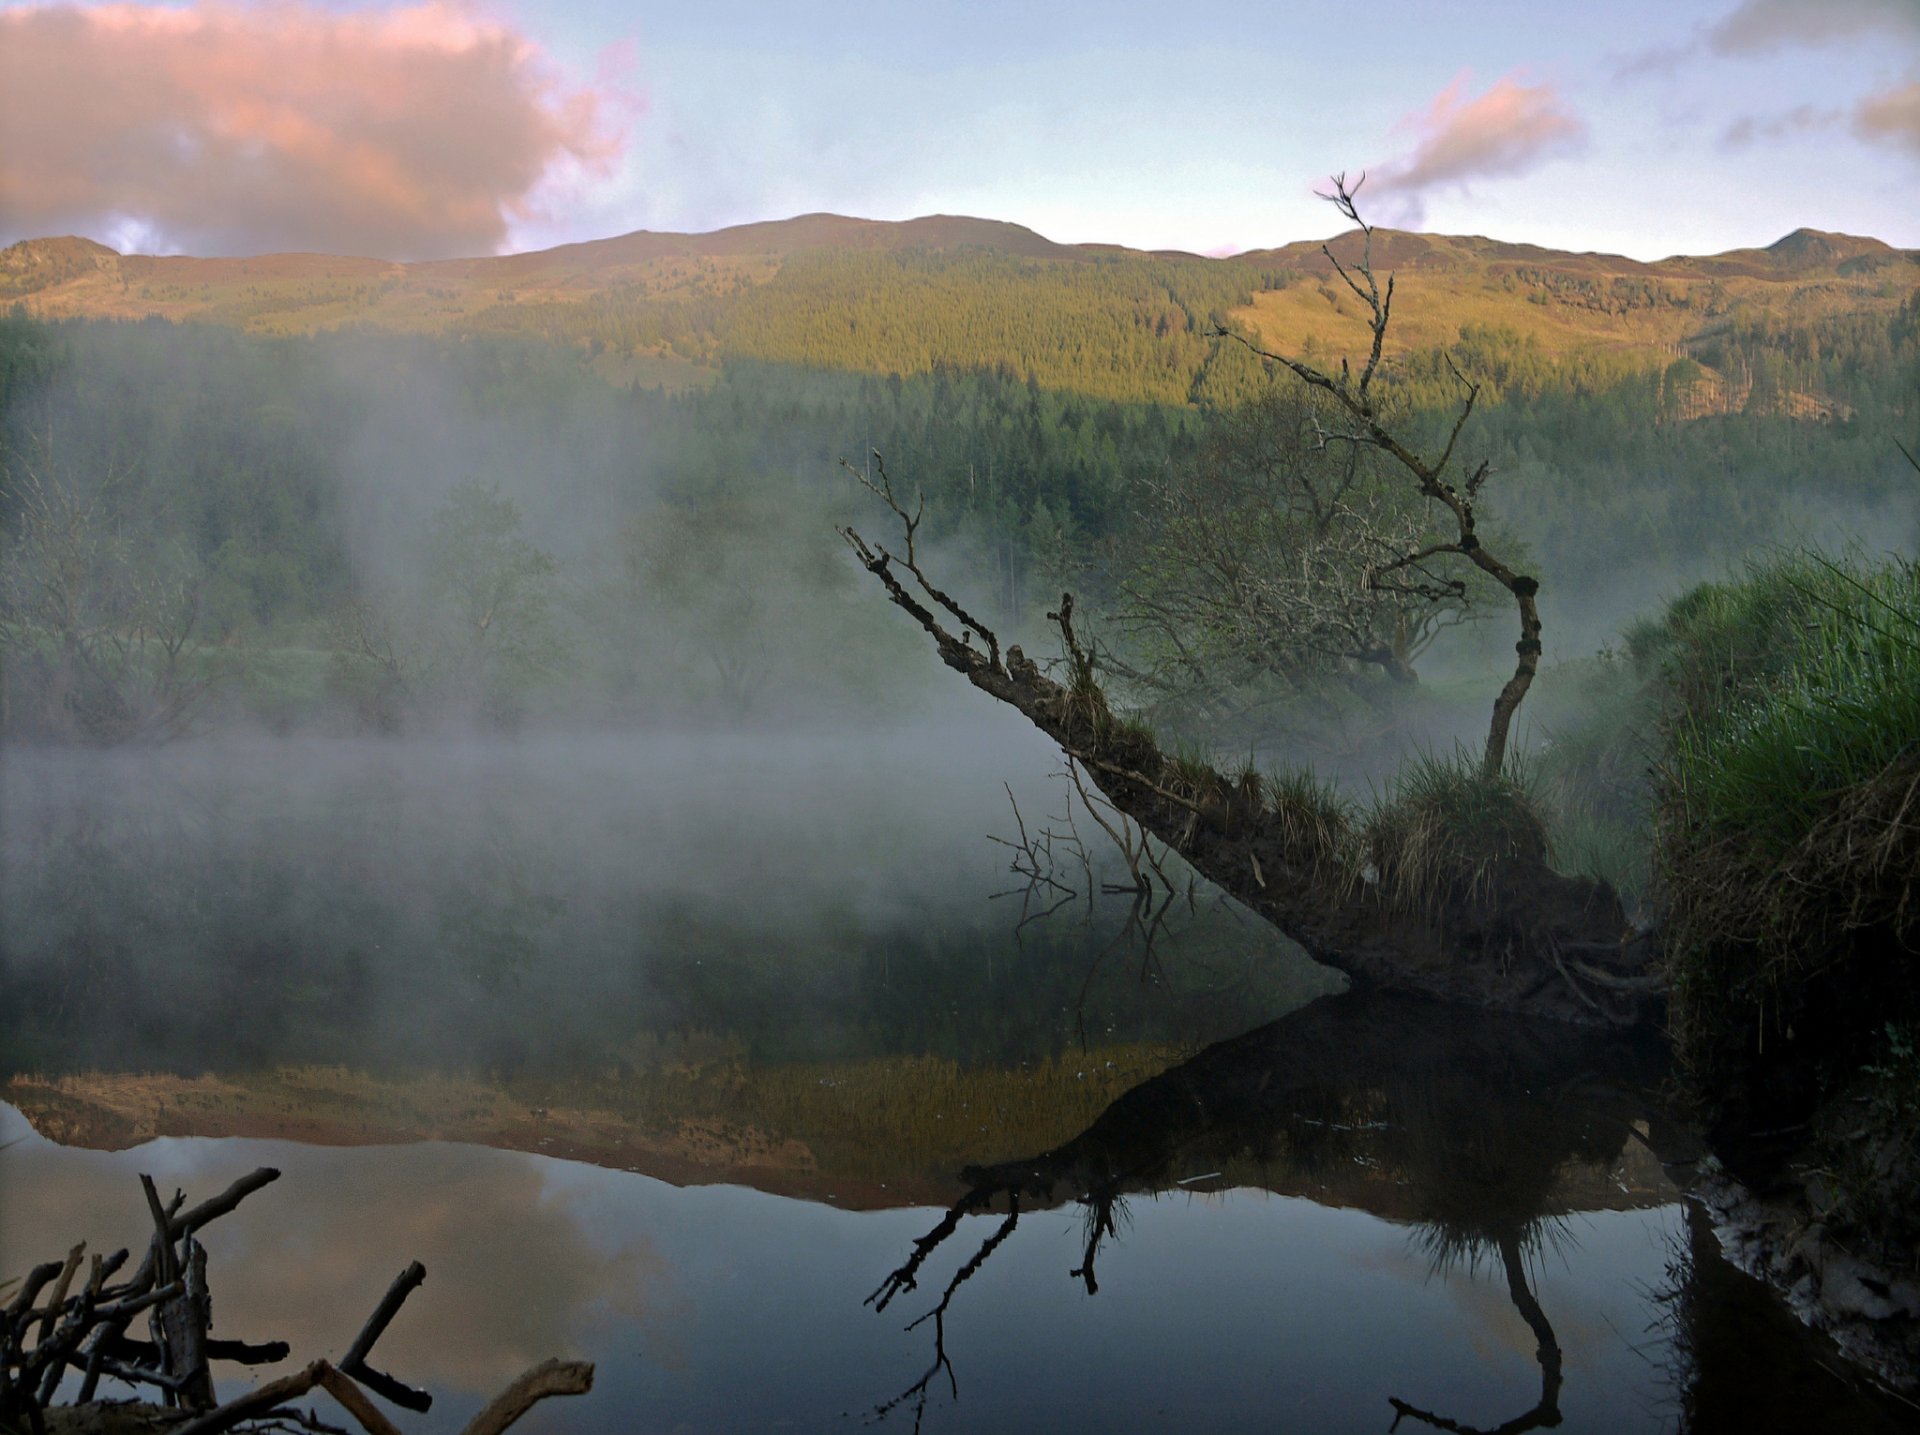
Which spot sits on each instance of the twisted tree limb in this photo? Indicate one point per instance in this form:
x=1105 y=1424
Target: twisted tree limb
x=1356 y=400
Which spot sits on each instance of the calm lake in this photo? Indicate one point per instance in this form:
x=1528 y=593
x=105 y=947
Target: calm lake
x=742 y=1066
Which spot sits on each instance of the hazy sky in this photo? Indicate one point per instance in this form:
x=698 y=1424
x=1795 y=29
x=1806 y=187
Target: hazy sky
x=413 y=130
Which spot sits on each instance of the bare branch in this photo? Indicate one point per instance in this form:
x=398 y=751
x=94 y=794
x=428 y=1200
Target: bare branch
x=354 y=1363
x=910 y=524
x=550 y=1377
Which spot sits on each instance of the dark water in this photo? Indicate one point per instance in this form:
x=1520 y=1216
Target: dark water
x=1281 y=1210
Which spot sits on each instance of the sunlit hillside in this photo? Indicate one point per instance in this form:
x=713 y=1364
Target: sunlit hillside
x=874 y=297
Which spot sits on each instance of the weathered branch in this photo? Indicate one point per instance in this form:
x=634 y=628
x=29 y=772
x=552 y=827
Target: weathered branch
x=275 y=1393
x=1429 y=475
x=550 y=1377
x=910 y=524
x=354 y=1362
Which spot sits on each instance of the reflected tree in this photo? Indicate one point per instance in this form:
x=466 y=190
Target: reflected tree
x=1481 y=1121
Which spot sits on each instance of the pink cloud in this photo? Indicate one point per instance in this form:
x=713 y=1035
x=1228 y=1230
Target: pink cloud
x=404 y=133
x=1891 y=117
x=1757 y=26
x=1509 y=130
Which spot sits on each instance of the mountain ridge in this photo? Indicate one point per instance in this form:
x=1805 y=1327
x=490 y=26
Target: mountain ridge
x=1804 y=247
x=880 y=296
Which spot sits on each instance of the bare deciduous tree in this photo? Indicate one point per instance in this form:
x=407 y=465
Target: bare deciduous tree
x=98 y=628
x=1256 y=569
x=1408 y=572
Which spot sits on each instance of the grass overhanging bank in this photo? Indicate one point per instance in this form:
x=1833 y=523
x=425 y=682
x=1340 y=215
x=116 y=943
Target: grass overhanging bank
x=1786 y=856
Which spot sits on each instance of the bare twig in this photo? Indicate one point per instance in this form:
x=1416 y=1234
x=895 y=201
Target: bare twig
x=354 y=1363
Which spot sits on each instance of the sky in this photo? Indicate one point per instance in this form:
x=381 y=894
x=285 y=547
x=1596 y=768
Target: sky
x=468 y=127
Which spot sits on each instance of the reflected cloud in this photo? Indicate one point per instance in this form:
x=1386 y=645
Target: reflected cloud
x=513 y=1276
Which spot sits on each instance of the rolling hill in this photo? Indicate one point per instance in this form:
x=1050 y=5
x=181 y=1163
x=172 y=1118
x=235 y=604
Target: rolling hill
x=881 y=297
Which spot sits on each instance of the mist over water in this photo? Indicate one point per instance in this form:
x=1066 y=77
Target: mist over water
x=545 y=898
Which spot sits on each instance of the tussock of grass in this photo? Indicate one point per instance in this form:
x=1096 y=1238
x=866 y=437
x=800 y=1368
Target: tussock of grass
x=1250 y=784
x=1787 y=838
x=1314 y=822
x=1190 y=773
x=1445 y=834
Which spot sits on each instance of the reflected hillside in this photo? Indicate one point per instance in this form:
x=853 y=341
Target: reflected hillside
x=1368 y=1213
x=1378 y=1105
x=1486 y=1130
x=1482 y=1121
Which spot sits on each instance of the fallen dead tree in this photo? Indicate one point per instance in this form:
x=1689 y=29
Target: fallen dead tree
x=1454 y=899
x=1513 y=935
x=51 y=1328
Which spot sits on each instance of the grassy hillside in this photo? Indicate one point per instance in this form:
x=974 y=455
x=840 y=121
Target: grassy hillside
x=874 y=297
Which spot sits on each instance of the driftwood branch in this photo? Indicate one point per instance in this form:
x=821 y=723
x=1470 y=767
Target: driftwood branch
x=275 y=1393
x=354 y=1363
x=86 y=1330
x=550 y=1377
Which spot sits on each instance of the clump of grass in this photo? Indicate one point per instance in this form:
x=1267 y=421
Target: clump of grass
x=1313 y=821
x=1250 y=784
x=1447 y=835
x=1082 y=704
x=1124 y=737
x=1189 y=771
x=1787 y=837
x=1719 y=639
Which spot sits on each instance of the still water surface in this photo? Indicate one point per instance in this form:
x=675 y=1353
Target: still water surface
x=783 y=1085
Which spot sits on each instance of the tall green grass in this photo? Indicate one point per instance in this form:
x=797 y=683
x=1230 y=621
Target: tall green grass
x=1787 y=824
x=1444 y=833
x=1819 y=693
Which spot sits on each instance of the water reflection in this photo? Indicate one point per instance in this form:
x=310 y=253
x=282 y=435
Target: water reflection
x=1369 y=1214
x=1489 y=1129
x=514 y=1274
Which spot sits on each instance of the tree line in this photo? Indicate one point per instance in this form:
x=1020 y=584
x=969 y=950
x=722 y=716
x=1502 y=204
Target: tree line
x=255 y=505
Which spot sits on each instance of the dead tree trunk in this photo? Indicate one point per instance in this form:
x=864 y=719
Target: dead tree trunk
x=1529 y=940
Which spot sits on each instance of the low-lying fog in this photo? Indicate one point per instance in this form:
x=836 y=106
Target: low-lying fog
x=549 y=897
